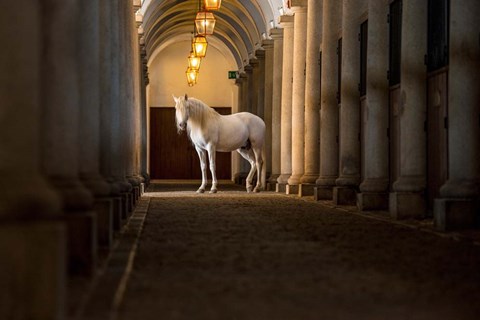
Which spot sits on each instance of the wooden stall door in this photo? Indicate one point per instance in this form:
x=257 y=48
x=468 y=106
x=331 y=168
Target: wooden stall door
x=172 y=155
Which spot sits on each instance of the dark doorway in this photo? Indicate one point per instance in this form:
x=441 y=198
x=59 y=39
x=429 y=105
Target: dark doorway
x=172 y=155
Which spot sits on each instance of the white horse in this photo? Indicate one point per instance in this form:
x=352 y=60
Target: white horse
x=210 y=132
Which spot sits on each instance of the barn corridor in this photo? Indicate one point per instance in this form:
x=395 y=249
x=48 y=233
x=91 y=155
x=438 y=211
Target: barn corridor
x=235 y=255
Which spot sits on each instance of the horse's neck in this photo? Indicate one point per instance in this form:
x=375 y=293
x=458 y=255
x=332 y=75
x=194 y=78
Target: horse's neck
x=201 y=115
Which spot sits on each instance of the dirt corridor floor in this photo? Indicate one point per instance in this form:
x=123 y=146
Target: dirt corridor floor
x=234 y=255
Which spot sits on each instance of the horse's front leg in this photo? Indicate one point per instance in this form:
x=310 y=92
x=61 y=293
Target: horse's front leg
x=203 y=166
x=211 y=158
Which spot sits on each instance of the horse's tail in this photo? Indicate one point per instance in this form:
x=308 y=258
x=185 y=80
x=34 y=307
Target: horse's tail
x=263 y=177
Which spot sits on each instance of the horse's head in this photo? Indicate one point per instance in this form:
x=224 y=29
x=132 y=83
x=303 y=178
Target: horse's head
x=181 y=112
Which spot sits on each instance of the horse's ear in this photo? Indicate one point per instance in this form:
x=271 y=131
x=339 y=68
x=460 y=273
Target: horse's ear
x=174 y=98
x=186 y=97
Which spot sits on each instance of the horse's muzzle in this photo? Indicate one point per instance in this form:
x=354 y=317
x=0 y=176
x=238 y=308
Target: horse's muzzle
x=182 y=126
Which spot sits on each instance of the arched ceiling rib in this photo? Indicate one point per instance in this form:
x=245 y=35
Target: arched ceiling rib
x=240 y=23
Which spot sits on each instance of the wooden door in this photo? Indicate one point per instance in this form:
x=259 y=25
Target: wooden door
x=172 y=155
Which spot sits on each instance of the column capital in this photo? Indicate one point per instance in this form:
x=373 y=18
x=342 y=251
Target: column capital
x=276 y=33
x=248 y=69
x=298 y=4
x=253 y=62
x=260 y=54
x=286 y=21
x=267 y=44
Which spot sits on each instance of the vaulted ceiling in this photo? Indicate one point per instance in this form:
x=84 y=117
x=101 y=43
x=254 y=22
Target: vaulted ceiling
x=239 y=27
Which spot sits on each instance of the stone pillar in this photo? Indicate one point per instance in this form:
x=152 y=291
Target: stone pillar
x=143 y=112
x=459 y=206
x=312 y=98
x=374 y=188
x=60 y=131
x=260 y=84
x=89 y=121
x=332 y=18
x=347 y=183
x=408 y=199
x=268 y=96
x=133 y=174
x=253 y=83
x=108 y=111
x=277 y=36
x=243 y=165
x=117 y=112
x=248 y=89
x=32 y=236
x=298 y=95
x=126 y=100
x=286 y=115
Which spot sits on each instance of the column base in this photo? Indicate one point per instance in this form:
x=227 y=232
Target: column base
x=406 y=205
x=32 y=271
x=240 y=178
x=344 y=196
x=292 y=189
x=82 y=242
x=452 y=214
x=118 y=221
x=306 y=189
x=372 y=201
x=104 y=209
x=323 y=193
x=281 y=188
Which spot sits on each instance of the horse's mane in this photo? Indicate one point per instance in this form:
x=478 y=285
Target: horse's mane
x=200 y=113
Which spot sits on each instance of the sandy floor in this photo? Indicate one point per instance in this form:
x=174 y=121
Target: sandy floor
x=234 y=255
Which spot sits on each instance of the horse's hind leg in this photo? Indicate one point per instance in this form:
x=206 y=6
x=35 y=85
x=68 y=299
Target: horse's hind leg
x=250 y=157
x=203 y=166
x=259 y=164
x=211 y=158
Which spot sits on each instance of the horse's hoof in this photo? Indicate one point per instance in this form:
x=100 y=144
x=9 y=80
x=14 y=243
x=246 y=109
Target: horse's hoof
x=200 y=190
x=249 y=189
x=213 y=191
x=256 y=190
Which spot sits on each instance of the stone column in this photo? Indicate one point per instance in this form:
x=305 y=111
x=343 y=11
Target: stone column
x=286 y=115
x=374 y=188
x=254 y=83
x=332 y=18
x=268 y=96
x=117 y=160
x=298 y=95
x=459 y=206
x=312 y=98
x=32 y=236
x=126 y=100
x=242 y=82
x=408 y=198
x=133 y=175
x=60 y=132
x=260 y=87
x=277 y=36
x=108 y=112
x=88 y=50
x=347 y=183
x=248 y=89
x=143 y=110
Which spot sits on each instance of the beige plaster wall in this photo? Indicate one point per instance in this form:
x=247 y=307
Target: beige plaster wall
x=167 y=77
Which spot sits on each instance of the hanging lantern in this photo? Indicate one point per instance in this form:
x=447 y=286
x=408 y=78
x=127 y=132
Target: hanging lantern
x=205 y=23
x=192 y=75
x=199 y=46
x=194 y=61
x=212 y=4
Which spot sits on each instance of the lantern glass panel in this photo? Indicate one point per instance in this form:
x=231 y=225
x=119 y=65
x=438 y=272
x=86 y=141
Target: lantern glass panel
x=194 y=61
x=199 y=46
x=191 y=76
x=212 y=4
x=205 y=23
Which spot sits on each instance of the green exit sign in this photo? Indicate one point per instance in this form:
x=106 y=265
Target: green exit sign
x=232 y=74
